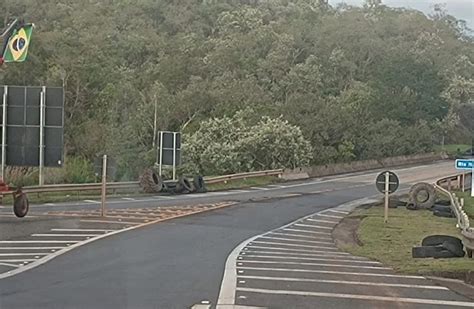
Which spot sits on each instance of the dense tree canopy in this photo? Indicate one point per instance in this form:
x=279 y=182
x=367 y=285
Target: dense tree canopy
x=343 y=74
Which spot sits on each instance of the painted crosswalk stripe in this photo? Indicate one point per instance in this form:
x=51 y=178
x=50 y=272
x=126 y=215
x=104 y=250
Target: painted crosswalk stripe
x=305 y=231
x=296 y=250
x=292 y=245
x=303 y=258
x=362 y=297
x=298 y=240
x=316 y=264
x=321 y=221
x=394 y=285
x=333 y=272
x=330 y=216
x=338 y=211
x=298 y=235
x=313 y=226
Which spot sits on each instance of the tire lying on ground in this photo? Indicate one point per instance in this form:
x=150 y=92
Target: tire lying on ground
x=439 y=246
x=20 y=205
x=422 y=195
x=199 y=184
x=443 y=214
x=151 y=182
x=183 y=185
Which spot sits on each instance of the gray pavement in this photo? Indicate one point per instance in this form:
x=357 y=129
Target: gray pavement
x=178 y=263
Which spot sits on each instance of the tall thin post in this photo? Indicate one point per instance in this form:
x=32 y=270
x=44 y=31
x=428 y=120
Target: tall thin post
x=174 y=156
x=41 y=135
x=387 y=188
x=161 y=154
x=4 y=130
x=472 y=180
x=104 y=187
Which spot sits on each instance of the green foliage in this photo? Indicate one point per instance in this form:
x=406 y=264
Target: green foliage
x=225 y=145
x=340 y=74
x=78 y=170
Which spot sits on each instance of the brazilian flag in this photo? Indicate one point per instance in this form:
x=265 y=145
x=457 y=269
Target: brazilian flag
x=17 y=46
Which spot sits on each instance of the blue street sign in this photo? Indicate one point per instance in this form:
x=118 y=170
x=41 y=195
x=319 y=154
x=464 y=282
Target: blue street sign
x=464 y=164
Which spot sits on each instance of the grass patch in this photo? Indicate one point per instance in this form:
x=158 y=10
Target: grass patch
x=468 y=203
x=391 y=243
x=452 y=149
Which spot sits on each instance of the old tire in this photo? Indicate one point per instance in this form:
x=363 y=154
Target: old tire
x=183 y=185
x=199 y=184
x=441 y=208
x=435 y=240
x=21 y=205
x=151 y=182
x=422 y=195
x=431 y=252
x=443 y=214
x=443 y=203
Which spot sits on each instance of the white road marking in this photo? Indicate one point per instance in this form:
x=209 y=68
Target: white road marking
x=293 y=245
x=24 y=254
x=29 y=248
x=362 y=297
x=317 y=264
x=9 y=265
x=305 y=231
x=395 y=285
x=17 y=260
x=163 y=197
x=289 y=195
x=111 y=222
x=321 y=221
x=332 y=272
x=299 y=240
x=64 y=235
x=321 y=255
x=260 y=188
x=299 y=235
x=277 y=186
x=298 y=250
x=308 y=259
x=338 y=211
x=329 y=216
x=92 y=201
x=81 y=230
x=128 y=199
x=49 y=204
x=313 y=226
x=240 y=191
x=36 y=241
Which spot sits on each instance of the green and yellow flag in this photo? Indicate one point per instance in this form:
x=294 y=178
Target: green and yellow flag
x=17 y=47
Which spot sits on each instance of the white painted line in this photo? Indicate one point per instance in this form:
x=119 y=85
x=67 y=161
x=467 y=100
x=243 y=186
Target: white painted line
x=128 y=199
x=298 y=250
x=81 y=230
x=29 y=248
x=299 y=235
x=111 y=222
x=305 y=231
x=299 y=240
x=314 y=226
x=9 y=265
x=64 y=235
x=337 y=211
x=329 y=216
x=331 y=272
x=36 y=241
x=49 y=204
x=92 y=201
x=323 y=254
x=395 y=285
x=321 y=221
x=293 y=245
x=277 y=186
x=164 y=197
x=17 y=260
x=240 y=191
x=260 y=188
x=316 y=264
x=289 y=195
x=362 y=297
x=23 y=254
x=308 y=259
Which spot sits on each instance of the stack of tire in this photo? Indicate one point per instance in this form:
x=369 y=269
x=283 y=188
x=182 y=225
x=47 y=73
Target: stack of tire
x=151 y=182
x=423 y=196
x=439 y=246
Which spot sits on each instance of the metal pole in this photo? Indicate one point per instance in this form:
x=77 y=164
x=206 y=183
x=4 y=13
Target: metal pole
x=472 y=181
x=387 y=188
x=174 y=156
x=41 y=137
x=161 y=153
x=155 y=123
x=4 y=131
x=104 y=187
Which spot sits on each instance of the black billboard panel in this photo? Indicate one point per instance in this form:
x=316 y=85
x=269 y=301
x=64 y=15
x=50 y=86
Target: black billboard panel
x=33 y=96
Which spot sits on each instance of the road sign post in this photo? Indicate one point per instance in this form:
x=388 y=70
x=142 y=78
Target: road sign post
x=104 y=187
x=387 y=182
x=467 y=164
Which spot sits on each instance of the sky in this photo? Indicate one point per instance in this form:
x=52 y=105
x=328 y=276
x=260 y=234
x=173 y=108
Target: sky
x=461 y=9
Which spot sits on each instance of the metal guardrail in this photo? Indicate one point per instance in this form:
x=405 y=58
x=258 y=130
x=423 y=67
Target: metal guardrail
x=134 y=185
x=463 y=223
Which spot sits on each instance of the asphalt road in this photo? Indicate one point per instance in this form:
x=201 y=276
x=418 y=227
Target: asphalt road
x=173 y=264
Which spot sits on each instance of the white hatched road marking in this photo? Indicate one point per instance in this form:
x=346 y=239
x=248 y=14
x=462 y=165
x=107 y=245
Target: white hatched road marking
x=65 y=235
x=305 y=231
x=111 y=222
x=338 y=211
x=37 y=241
x=321 y=221
x=23 y=254
x=299 y=240
x=298 y=250
x=81 y=230
x=128 y=199
x=293 y=245
x=329 y=216
x=299 y=235
x=331 y=272
x=322 y=254
x=30 y=248
x=260 y=188
x=396 y=285
x=362 y=297
x=17 y=260
x=315 y=264
x=307 y=259
x=314 y=226
x=92 y=201
x=9 y=265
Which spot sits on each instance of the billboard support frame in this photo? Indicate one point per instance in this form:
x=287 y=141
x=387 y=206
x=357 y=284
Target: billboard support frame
x=4 y=131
